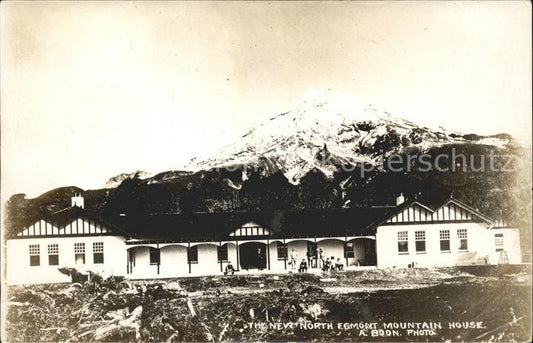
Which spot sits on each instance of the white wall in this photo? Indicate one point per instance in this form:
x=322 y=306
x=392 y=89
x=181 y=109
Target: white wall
x=481 y=248
x=277 y=263
x=174 y=258
x=207 y=260
x=174 y=261
x=142 y=267
x=511 y=245
x=19 y=271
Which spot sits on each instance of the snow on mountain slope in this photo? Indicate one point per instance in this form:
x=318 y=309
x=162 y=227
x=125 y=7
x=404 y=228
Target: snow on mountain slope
x=328 y=127
x=117 y=179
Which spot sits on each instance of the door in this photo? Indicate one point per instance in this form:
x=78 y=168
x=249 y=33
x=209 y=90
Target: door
x=252 y=255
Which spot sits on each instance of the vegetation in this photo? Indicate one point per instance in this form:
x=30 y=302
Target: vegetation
x=248 y=308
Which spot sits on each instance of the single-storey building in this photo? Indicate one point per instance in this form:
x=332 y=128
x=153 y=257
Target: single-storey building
x=410 y=234
x=449 y=234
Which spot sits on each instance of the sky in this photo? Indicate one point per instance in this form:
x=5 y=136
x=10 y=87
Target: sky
x=93 y=89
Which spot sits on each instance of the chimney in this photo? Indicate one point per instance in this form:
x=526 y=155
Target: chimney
x=400 y=199
x=78 y=201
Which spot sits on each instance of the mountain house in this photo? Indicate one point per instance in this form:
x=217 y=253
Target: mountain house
x=410 y=234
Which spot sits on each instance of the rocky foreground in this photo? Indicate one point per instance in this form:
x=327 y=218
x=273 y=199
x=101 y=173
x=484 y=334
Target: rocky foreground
x=469 y=304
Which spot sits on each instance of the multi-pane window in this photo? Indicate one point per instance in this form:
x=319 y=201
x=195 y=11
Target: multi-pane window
x=250 y=231
x=98 y=252
x=498 y=241
x=155 y=256
x=35 y=252
x=192 y=254
x=222 y=252
x=463 y=239
x=348 y=250
x=403 y=242
x=444 y=240
x=282 y=251
x=53 y=254
x=79 y=253
x=420 y=241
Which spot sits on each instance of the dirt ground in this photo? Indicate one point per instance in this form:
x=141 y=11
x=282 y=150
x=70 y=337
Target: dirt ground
x=477 y=303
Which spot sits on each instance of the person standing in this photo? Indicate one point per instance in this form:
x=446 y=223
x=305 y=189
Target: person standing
x=339 y=265
x=321 y=257
x=294 y=258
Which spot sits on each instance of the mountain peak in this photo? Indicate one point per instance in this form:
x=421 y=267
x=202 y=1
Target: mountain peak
x=117 y=179
x=353 y=133
x=328 y=106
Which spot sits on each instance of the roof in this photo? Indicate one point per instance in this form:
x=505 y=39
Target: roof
x=281 y=224
x=357 y=221
x=432 y=208
x=61 y=219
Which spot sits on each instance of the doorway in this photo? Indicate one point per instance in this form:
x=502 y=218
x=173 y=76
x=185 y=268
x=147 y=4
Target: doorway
x=252 y=255
x=370 y=252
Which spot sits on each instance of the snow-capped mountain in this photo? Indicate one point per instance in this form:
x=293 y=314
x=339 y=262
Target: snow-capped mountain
x=327 y=130
x=117 y=179
x=292 y=151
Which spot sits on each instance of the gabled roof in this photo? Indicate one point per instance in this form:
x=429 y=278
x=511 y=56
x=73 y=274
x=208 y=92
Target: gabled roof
x=358 y=221
x=466 y=207
x=431 y=213
x=61 y=220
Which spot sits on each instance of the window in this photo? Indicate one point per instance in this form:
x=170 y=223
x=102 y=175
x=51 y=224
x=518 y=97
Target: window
x=98 y=252
x=79 y=253
x=222 y=252
x=155 y=256
x=403 y=243
x=250 y=231
x=192 y=254
x=53 y=254
x=445 y=240
x=282 y=251
x=35 y=259
x=420 y=241
x=463 y=239
x=348 y=250
x=498 y=241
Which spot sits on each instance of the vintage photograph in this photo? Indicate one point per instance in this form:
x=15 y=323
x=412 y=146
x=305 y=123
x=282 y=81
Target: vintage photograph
x=220 y=171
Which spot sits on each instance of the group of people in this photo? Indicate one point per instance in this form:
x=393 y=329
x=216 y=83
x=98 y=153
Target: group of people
x=321 y=261
x=331 y=264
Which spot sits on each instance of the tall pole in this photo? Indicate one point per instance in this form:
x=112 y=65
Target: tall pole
x=159 y=259
x=238 y=259
x=268 y=254
x=218 y=255
x=188 y=255
x=316 y=256
x=286 y=253
x=345 y=255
